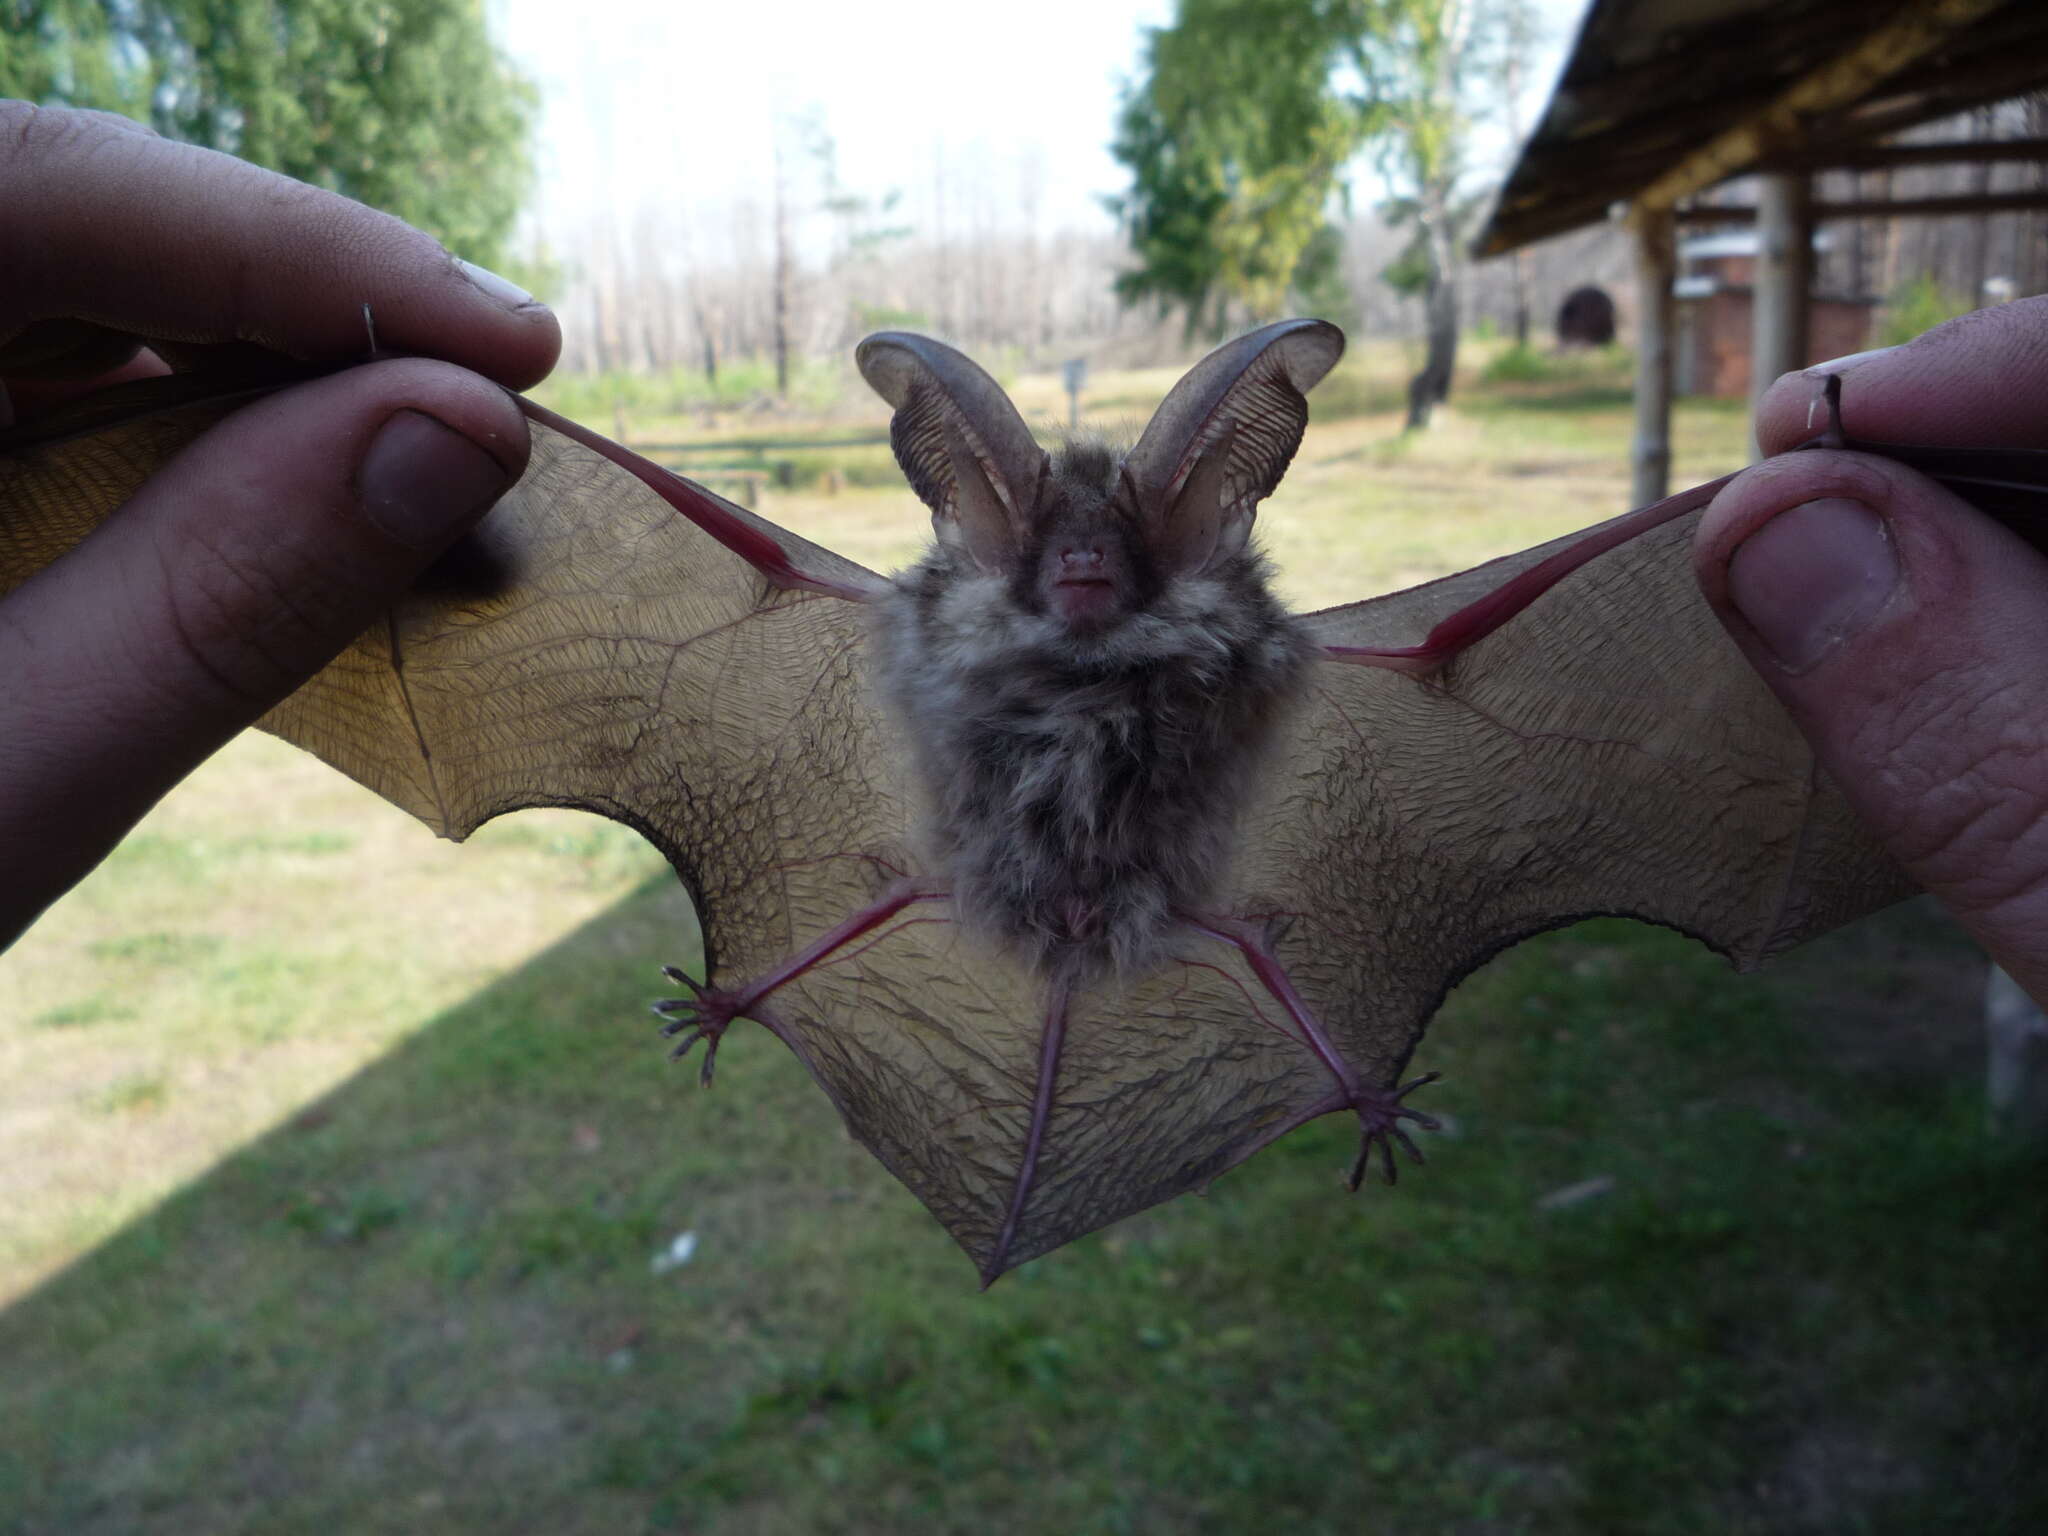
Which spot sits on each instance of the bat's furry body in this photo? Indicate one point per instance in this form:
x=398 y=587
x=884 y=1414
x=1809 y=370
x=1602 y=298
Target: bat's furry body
x=1082 y=789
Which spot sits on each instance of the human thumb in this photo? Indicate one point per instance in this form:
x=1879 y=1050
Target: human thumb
x=233 y=574
x=1907 y=634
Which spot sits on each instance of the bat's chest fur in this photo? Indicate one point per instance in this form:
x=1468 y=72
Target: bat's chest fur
x=1081 y=795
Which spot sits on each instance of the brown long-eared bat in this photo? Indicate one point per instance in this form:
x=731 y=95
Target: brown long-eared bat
x=1074 y=867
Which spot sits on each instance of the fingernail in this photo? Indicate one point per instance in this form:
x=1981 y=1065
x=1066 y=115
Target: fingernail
x=503 y=290
x=1844 y=364
x=1812 y=577
x=420 y=480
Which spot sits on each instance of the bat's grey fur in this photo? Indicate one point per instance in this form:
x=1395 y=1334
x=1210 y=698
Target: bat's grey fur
x=1083 y=785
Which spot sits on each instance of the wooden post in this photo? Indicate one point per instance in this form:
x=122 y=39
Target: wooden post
x=1656 y=314
x=1784 y=278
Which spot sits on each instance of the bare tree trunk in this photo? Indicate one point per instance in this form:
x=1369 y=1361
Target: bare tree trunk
x=605 y=291
x=1520 y=39
x=707 y=338
x=781 y=279
x=1440 y=311
x=942 y=277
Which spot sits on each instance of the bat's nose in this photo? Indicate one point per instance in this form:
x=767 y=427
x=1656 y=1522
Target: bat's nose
x=1081 y=557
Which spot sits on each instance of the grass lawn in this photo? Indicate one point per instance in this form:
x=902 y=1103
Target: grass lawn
x=340 y=1166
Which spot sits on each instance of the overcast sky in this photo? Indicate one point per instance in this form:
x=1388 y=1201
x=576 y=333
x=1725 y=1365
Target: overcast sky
x=651 y=101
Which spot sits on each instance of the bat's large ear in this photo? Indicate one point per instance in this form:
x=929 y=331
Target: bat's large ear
x=1222 y=439
x=966 y=451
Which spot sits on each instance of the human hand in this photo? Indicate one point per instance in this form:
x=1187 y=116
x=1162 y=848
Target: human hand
x=256 y=555
x=1907 y=632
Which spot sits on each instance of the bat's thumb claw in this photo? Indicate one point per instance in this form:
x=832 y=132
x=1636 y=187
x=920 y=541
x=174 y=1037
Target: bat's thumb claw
x=681 y=978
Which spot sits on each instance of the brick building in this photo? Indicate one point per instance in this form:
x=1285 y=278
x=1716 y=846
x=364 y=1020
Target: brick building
x=1716 y=302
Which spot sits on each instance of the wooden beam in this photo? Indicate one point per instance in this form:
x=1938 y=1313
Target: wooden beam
x=1784 y=279
x=1883 y=208
x=1838 y=83
x=1874 y=157
x=1991 y=62
x=1656 y=252
x=1680 y=58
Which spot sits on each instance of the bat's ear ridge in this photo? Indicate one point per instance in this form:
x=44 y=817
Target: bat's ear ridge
x=962 y=445
x=1224 y=436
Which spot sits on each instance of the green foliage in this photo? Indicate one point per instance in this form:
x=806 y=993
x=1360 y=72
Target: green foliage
x=885 y=317
x=1238 y=135
x=401 y=104
x=1409 y=273
x=1235 y=143
x=1917 y=307
x=1517 y=365
x=741 y=382
x=65 y=51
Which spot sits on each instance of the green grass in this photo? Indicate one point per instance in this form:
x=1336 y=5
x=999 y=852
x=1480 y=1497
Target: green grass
x=427 y=1301
x=337 y=1162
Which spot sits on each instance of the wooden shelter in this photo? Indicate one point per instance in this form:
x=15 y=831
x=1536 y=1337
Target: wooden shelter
x=1663 y=99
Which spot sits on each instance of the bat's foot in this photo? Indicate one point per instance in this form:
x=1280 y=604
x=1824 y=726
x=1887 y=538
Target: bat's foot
x=1380 y=1113
x=705 y=1013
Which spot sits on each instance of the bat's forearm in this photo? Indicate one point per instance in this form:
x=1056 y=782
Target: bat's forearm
x=2010 y=484
x=710 y=513
x=1476 y=620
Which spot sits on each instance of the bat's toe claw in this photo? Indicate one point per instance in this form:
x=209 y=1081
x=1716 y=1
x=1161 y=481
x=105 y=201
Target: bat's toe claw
x=1358 y=1165
x=1380 y=1113
x=705 y=1015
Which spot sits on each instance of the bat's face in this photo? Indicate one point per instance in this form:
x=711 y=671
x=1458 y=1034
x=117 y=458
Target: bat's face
x=1110 y=553
x=1084 y=560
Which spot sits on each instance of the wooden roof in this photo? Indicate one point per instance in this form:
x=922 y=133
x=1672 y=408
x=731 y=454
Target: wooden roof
x=1663 y=97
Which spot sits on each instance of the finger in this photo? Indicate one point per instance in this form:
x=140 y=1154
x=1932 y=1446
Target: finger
x=237 y=572
x=1907 y=634
x=1977 y=381
x=165 y=240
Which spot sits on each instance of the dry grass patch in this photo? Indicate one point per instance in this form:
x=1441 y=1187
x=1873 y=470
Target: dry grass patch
x=268 y=929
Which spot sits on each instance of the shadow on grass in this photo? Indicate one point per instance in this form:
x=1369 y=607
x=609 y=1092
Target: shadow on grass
x=1808 y=1300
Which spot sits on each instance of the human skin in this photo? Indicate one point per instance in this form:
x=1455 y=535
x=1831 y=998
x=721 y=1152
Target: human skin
x=249 y=561
x=1904 y=630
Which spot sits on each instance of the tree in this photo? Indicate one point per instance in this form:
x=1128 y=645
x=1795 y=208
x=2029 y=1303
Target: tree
x=1413 y=58
x=1249 y=113
x=402 y=104
x=1234 y=141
